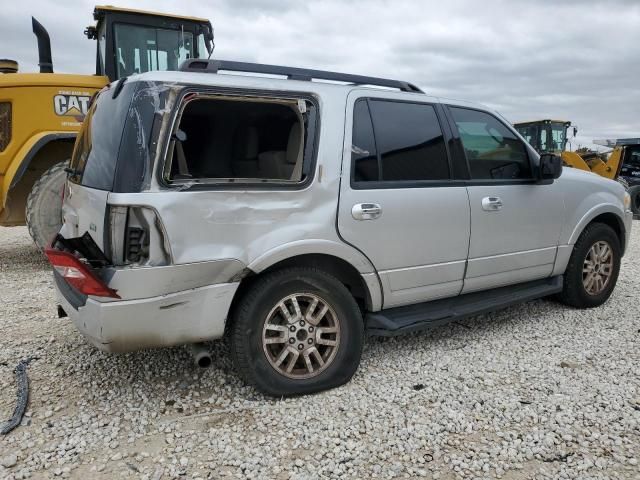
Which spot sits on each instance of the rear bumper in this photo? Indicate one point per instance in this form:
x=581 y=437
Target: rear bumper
x=189 y=316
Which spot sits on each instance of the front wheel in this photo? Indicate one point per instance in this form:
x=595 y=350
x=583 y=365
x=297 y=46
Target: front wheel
x=296 y=331
x=44 y=205
x=593 y=268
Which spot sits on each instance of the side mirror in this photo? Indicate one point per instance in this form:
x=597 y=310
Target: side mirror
x=550 y=167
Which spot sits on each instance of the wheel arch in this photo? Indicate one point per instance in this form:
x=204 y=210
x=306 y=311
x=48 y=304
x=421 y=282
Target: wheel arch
x=32 y=160
x=607 y=214
x=341 y=261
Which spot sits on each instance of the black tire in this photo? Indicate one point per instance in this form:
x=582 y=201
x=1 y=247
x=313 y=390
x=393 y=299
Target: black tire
x=252 y=311
x=574 y=292
x=634 y=192
x=44 y=205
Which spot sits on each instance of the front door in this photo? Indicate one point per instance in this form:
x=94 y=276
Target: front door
x=515 y=222
x=398 y=204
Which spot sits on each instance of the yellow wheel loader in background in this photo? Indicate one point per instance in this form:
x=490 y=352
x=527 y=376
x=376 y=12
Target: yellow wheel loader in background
x=552 y=136
x=41 y=113
x=622 y=163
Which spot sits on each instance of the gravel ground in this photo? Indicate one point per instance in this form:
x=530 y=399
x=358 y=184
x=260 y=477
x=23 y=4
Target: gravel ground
x=533 y=392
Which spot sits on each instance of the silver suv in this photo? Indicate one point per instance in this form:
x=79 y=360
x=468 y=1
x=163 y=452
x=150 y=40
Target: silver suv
x=295 y=214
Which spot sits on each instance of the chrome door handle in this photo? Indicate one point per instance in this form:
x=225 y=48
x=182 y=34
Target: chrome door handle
x=366 y=211
x=491 y=204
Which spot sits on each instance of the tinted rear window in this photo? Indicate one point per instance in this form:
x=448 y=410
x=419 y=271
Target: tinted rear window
x=410 y=141
x=397 y=142
x=96 y=152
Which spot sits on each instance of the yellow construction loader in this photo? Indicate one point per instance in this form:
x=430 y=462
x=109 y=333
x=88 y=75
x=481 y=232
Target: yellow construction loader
x=41 y=113
x=621 y=163
x=552 y=136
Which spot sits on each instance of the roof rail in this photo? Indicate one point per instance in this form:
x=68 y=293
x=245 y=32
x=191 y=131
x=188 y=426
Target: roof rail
x=292 y=73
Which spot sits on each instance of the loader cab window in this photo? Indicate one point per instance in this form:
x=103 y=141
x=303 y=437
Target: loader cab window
x=142 y=49
x=553 y=137
x=558 y=137
x=102 y=47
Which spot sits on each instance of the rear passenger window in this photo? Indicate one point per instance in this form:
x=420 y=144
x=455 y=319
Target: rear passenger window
x=228 y=140
x=492 y=150
x=408 y=146
x=363 y=145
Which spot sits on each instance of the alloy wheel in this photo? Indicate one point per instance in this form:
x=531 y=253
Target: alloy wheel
x=301 y=336
x=597 y=268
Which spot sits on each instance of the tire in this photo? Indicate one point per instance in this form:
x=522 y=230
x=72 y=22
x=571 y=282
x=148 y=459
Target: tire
x=634 y=192
x=44 y=205
x=575 y=292
x=256 y=347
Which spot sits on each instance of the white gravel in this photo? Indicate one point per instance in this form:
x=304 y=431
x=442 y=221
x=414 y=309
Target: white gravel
x=538 y=391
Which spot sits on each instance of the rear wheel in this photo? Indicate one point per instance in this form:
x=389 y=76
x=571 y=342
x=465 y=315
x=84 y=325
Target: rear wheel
x=297 y=331
x=44 y=205
x=593 y=268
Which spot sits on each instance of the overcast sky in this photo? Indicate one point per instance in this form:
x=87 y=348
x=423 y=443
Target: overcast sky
x=574 y=60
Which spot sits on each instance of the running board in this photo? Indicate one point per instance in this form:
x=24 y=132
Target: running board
x=401 y=320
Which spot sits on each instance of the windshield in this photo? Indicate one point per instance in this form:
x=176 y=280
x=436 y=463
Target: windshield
x=142 y=49
x=556 y=138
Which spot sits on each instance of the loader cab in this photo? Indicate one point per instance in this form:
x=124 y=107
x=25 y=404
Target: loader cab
x=546 y=135
x=135 y=41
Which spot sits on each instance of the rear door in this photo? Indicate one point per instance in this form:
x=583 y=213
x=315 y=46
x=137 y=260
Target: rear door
x=515 y=222
x=398 y=202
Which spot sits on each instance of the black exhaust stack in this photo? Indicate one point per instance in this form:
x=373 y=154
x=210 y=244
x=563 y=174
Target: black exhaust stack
x=44 y=47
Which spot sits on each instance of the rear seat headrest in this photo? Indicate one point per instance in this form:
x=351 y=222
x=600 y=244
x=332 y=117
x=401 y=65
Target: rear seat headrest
x=246 y=142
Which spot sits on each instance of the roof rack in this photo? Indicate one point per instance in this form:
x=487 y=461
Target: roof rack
x=292 y=73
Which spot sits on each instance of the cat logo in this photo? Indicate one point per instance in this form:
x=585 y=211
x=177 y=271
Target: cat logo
x=71 y=105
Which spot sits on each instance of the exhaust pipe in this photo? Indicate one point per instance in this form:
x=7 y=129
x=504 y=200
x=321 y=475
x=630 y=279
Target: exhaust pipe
x=201 y=356
x=44 y=47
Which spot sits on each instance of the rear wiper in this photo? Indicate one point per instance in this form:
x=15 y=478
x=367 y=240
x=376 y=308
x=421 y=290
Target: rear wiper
x=118 y=89
x=72 y=171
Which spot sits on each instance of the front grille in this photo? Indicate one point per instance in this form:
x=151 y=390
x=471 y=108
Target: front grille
x=5 y=125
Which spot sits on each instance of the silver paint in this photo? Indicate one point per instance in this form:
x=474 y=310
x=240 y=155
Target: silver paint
x=422 y=244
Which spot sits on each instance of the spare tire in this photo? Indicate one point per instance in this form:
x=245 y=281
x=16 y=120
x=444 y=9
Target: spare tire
x=44 y=205
x=634 y=192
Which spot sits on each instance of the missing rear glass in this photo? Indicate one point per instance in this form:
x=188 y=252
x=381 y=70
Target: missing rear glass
x=244 y=140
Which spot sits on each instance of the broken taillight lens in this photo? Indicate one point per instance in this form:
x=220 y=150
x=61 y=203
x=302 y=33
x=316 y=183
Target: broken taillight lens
x=78 y=275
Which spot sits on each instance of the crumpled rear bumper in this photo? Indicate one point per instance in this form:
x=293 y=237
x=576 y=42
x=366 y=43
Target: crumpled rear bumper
x=189 y=316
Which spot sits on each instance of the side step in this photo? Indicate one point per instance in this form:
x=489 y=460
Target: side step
x=401 y=320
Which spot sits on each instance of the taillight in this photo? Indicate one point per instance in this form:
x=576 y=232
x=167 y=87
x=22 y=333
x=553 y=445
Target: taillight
x=5 y=125
x=77 y=274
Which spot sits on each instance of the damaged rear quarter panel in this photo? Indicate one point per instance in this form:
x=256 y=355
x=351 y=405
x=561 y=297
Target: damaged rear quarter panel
x=250 y=225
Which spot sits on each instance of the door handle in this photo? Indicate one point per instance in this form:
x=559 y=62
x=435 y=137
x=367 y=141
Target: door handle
x=366 y=211
x=491 y=204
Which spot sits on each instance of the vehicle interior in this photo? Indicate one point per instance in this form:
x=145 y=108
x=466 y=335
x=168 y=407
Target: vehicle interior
x=226 y=140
